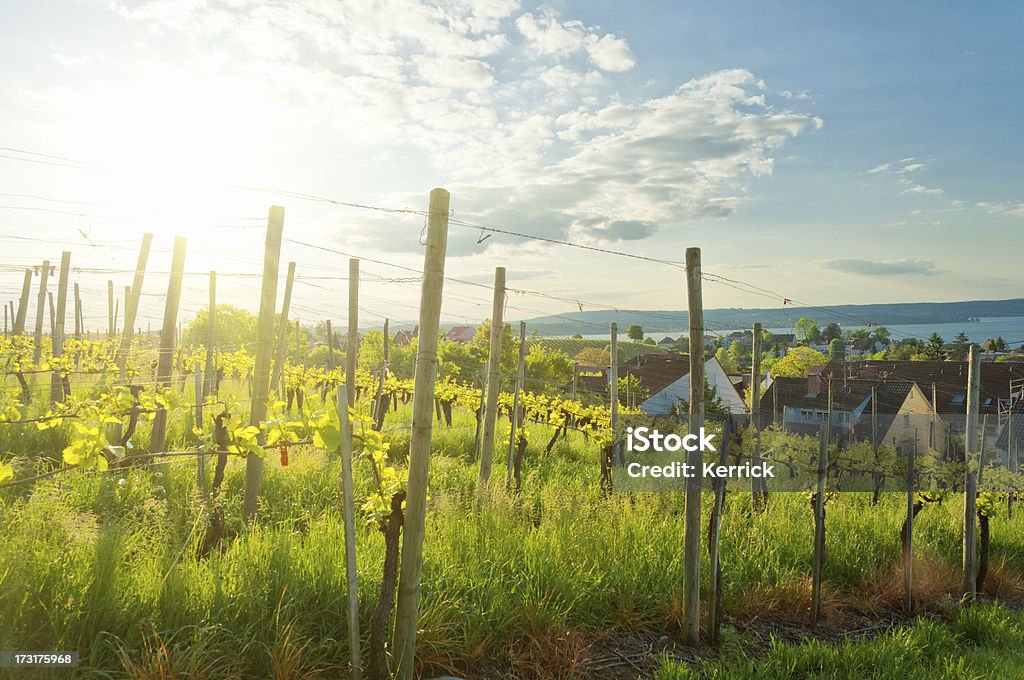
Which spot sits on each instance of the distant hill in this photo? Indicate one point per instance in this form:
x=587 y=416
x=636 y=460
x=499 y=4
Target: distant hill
x=664 y=321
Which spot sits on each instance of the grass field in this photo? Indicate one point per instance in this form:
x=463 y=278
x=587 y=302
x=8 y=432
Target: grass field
x=114 y=565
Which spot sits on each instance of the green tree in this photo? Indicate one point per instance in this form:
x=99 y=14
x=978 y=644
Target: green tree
x=739 y=354
x=726 y=360
x=961 y=346
x=933 y=348
x=837 y=350
x=807 y=331
x=831 y=332
x=635 y=332
x=548 y=371
x=798 y=362
x=881 y=335
x=235 y=327
x=592 y=356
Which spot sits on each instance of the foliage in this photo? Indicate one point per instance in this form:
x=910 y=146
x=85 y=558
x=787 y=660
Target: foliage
x=797 y=362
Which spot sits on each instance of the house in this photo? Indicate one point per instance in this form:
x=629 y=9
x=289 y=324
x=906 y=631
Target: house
x=666 y=342
x=461 y=334
x=745 y=337
x=944 y=383
x=404 y=338
x=893 y=412
x=666 y=379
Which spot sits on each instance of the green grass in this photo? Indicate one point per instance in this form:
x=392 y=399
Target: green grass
x=112 y=565
x=985 y=641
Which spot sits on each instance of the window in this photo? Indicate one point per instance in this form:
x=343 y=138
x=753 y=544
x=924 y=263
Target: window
x=906 y=420
x=959 y=399
x=806 y=414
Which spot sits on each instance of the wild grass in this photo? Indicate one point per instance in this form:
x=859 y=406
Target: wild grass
x=114 y=565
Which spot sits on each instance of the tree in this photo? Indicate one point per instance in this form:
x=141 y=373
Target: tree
x=807 y=331
x=635 y=332
x=726 y=360
x=480 y=347
x=831 y=332
x=798 y=362
x=837 y=350
x=961 y=347
x=933 y=349
x=548 y=371
x=739 y=354
x=881 y=335
x=235 y=327
x=577 y=336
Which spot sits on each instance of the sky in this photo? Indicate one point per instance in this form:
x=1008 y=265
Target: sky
x=825 y=152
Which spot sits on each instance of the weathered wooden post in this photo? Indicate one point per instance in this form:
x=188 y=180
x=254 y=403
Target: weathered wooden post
x=57 y=340
x=514 y=427
x=613 y=379
x=168 y=335
x=493 y=375
x=970 y=555
x=691 y=529
x=407 y=614
x=37 y=350
x=908 y=546
x=200 y=459
x=352 y=342
x=26 y=291
x=282 y=332
x=819 y=527
x=348 y=513
x=210 y=386
x=110 y=308
x=79 y=319
x=131 y=306
x=264 y=352
x=758 y=487
x=381 y=402
x=53 y=319
x=715 y=535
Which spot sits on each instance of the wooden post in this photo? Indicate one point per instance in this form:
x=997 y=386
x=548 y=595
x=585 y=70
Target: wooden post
x=970 y=555
x=758 y=490
x=520 y=376
x=168 y=335
x=131 y=306
x=480 y=413
x=57 y=340
x=264 y=351
x=352 y=346
x=37 y=350
x=79 y=319
x=908 y=547
x=493 y=375
x=116 y=312
x=53 y=319
x=348 y=512
x=330 y=347
x=26 y=289
x=110 y=308
x=282 y=332
x=381 y=403
x=575 y=378
x=613 y=380
x=200 y=459
x=819 y=528
x=211 y=339
x=874 y=419
x=716 y=525
x=407 y=613
x=691 y=528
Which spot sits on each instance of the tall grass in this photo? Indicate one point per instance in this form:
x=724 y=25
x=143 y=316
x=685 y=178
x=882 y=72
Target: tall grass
x=114 y=565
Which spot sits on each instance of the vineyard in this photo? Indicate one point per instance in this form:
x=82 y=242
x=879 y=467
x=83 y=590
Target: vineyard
x=200 y=510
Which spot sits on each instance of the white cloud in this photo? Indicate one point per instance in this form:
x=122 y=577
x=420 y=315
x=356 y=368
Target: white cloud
x=609 y=53
x=1008 y=209
x=547 y=35
x=469 y=74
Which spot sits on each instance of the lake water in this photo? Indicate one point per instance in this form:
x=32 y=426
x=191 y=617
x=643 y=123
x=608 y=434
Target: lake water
x=1010 y=328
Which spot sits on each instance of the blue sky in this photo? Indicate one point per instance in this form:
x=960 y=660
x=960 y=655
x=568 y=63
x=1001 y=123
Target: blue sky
x=835 y=153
